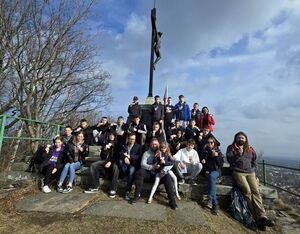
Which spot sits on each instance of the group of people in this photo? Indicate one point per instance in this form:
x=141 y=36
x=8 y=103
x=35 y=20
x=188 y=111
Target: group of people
x=177 y=146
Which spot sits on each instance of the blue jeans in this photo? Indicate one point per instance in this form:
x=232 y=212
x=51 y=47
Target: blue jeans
x=212 y=185
x=129 y=170
x=71 y=167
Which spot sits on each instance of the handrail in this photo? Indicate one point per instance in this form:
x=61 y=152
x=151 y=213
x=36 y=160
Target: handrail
x=264 y=170
x=3 y=119
x=284 y=167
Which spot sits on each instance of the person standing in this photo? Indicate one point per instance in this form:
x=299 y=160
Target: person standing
x=182 y=111
x=157 y=111
x=195 y=112
x=134 y=109
x=206 y=119
x=169 y=116
x=242 y=159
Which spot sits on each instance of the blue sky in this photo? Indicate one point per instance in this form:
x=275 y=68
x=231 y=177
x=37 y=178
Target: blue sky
x=239 y=58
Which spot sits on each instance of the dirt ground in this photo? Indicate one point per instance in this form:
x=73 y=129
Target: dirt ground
x=12 y=221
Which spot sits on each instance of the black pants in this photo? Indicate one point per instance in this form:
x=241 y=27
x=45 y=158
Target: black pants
x=98 y=169
x=144 y=175
x=47 y=172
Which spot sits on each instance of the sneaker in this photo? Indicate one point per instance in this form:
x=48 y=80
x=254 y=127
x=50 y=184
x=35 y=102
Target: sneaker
x=173 y=205
x=92 y=190
x=46 y=189
x=181 y=181
x=149 y=201
x=209 y=204
x=178 y=196
x=60 y=189
x=112 y=193
x=192 y=182
x=68 y=189
x=135 y=200
x=127 y=196
x=215 y=210
x=42 y=182
x=266 y=222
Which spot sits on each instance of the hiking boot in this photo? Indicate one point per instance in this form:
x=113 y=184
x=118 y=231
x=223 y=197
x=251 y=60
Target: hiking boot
x=112 y=193
x=68 y=189
x=181 y=181
x=46 y=189
x=60 y=189
x=127 y=196
x=92 y=190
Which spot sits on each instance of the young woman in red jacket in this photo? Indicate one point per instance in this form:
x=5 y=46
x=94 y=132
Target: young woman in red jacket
x=206 y=119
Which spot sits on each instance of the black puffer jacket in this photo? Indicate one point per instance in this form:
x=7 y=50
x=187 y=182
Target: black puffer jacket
x=69 y=155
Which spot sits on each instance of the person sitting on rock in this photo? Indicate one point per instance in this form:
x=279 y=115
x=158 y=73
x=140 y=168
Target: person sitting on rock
x=139 y=128
x=67 y=135
x=188 y=163
x=107 y=165
x=174 y=128
x=157 y=133
x=178 y=142
x=147 y=173
x=121 y=130
x=165 y=159
x=212 y=160
x=203 y=137
x=102 y=129
x=86 y=130
x=75 y=153
x=130 y=160
x=53 y=162
x=242 y=159
x=192 y=131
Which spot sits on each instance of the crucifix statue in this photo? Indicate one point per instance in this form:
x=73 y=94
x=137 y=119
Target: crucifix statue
x=155 y=49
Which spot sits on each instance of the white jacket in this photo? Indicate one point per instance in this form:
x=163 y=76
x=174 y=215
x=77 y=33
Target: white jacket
x=187 y=156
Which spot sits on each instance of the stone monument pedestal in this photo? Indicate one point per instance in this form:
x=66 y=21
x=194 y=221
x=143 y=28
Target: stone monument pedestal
x=146 y=112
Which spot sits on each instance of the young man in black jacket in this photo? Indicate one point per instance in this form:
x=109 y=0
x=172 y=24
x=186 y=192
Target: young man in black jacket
x=157 y=111
x=134 y=109
x=108 y=164
x=140 y=130
x=169 y=116
x=130 y=160
x=121 y=130
x=87 y=132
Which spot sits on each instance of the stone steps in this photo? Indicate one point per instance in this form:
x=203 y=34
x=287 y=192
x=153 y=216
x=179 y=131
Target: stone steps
x=189 y=191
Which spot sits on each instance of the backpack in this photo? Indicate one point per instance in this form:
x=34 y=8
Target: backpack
x=239 y=209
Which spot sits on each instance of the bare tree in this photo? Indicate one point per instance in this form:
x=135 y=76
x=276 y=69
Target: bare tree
x=49 y=69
